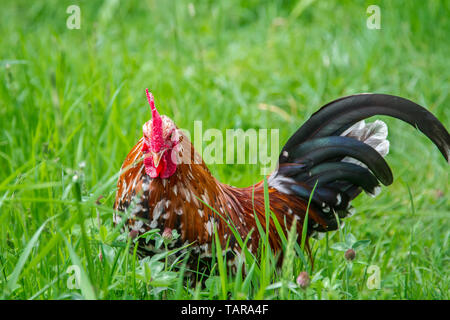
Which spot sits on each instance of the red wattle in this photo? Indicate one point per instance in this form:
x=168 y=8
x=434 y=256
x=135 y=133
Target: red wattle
x=169 y=166
x=165 y=168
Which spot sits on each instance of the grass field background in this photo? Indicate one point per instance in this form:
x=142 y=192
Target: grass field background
x=72 y=103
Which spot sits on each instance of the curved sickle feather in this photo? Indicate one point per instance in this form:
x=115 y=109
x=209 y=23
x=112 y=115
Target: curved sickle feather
x=332 y=171
x=337 y=116
x=317 y=150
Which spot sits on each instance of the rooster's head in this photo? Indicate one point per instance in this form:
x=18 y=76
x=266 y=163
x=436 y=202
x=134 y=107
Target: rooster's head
x=160 y=139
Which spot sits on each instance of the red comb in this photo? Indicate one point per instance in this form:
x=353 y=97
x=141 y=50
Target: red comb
x=156 y=141
x=151 y=101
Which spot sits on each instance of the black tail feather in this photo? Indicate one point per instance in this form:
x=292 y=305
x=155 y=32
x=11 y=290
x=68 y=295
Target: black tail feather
x=337 y=116
x=316 y=151
x=331 y=171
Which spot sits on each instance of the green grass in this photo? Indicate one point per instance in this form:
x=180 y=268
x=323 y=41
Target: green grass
x=72 y=103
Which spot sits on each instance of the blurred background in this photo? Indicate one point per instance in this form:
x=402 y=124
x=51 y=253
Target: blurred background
x=72 y=102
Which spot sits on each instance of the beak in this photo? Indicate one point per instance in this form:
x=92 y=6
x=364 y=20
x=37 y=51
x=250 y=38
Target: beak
x=157 y=158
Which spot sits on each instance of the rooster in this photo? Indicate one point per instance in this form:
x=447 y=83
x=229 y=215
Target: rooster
x=325 y=164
